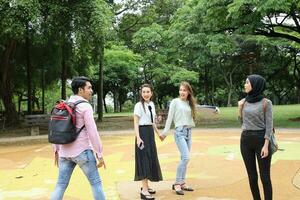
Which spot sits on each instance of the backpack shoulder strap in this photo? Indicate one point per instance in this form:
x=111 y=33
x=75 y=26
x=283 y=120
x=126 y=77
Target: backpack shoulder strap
x=241 y=117
x=75 y=104
x=243 y=105
x=265 y=110
x=265 y=105
x=79 y=102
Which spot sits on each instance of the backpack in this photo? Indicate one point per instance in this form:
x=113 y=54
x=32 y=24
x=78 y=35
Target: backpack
x=62 y=124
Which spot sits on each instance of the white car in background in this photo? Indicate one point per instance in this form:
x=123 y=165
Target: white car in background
x=208 y=109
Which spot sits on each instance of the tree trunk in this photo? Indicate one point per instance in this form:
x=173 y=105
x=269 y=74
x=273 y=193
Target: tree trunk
x=33 y=99
x=250 y=69
x=29 y=70
x=160 y=102
x=205 y=84
x=230 y=90
x=229 y=97
x=63 y=72
x=100 y=86
x=296 y=75
x=10 y=113
x=19 y=103
x=145 y=74
x=116 y=101
x=115 y=104
x=212 y=92
x=43 y=91
x=104 y=104
x=298 y=92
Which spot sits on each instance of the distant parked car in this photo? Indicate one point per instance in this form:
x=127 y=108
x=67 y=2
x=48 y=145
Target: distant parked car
x=208 y=109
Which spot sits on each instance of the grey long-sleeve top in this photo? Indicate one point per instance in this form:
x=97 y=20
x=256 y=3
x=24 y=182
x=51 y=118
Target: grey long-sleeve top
x=180 y=112
x=254 y=117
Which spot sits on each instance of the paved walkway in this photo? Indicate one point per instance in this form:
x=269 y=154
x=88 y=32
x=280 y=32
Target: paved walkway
x=216 y=169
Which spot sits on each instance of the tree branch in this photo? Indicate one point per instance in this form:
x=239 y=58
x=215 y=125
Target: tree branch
x=276 y=34
x=296 y=22
x=132 y=25
x=284 y=19
x=128 y=7
x=283 y=26
x=271 y=23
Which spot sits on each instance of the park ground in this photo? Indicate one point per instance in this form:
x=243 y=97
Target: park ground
x=216 y=170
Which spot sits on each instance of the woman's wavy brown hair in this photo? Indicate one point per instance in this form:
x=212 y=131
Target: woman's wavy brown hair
x=190 y=98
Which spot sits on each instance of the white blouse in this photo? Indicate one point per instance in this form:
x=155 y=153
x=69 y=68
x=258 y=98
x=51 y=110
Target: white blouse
x=144 y=114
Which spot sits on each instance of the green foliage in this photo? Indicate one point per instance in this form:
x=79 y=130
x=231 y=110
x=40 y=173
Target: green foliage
x=183 y=75
x=213 y=45
x=128 y=106
x=120 y=63
x=120 y=72
x=149 y=37
x=13 y=18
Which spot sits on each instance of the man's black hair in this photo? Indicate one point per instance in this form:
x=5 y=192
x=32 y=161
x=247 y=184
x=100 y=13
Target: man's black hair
x=79 y=82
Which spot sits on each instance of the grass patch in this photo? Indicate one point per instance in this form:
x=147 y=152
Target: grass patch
x=122 y=114
x=285 y=116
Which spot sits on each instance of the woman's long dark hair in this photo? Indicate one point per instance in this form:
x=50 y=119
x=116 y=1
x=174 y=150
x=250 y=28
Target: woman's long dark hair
x=190 y=98
x=141 y=98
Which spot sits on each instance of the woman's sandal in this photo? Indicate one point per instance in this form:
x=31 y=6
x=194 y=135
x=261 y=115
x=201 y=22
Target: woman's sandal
x=186 y=188
x=151 y=191
x=146 y=196
x=177 y=189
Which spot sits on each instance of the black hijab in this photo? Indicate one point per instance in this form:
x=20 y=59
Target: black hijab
x=258 y=84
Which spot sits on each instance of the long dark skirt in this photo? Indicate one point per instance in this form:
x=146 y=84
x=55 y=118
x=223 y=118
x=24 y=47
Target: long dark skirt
x=146 y=160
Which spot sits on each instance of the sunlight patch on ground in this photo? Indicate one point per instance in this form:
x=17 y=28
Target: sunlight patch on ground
x=33 y=193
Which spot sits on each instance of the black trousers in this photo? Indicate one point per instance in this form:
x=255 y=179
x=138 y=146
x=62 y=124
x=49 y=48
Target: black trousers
x=251 y=145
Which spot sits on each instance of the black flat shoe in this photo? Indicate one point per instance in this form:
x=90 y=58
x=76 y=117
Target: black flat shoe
x=178 y=191
x=151 y=191
x=145 y=196
x=186 y=188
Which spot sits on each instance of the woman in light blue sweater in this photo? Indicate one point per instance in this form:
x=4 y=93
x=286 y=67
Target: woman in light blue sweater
x=182 y=112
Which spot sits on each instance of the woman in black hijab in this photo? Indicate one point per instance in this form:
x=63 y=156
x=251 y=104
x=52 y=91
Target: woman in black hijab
x=256 y=115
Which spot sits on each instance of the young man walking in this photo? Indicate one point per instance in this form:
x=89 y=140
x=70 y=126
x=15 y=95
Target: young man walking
x=86 y=150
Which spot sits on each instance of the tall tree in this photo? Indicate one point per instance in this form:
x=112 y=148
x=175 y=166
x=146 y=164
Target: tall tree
x=13 y=19
x=120 y=73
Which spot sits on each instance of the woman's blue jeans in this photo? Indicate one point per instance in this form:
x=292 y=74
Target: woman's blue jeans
x=183 y=139
x=87 y=162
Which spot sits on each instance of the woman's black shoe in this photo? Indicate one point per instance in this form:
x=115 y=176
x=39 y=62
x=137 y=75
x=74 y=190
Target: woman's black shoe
x=151 y=191
x=145 y=196
x=178 y=191
x=186 y=188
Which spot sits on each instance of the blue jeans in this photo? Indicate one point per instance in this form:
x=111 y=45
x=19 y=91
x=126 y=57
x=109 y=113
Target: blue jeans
x=183 y=139
x=87 y=162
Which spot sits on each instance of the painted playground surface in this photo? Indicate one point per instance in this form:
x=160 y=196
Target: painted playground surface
x=216 y=170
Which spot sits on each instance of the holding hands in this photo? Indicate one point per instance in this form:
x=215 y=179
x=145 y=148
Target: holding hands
x=162 y=137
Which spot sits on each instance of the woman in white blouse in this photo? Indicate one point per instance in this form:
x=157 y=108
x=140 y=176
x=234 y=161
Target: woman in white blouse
x=146 y=161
